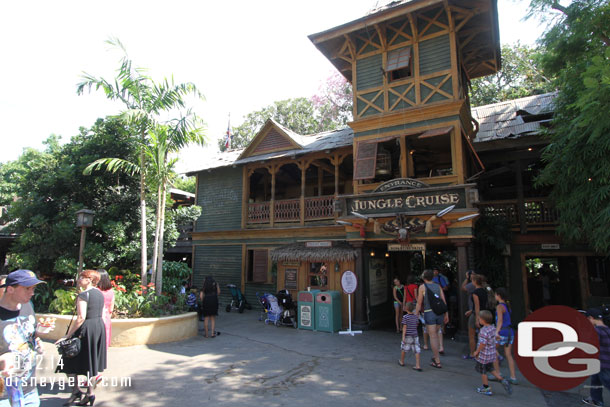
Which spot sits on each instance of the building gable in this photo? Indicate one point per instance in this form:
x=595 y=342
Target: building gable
x=271 y=138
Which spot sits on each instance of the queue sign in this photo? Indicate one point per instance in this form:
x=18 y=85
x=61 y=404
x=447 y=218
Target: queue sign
x=349 y=282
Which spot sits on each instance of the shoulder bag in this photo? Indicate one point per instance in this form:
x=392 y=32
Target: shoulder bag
x=70 y=348
x=437 y=304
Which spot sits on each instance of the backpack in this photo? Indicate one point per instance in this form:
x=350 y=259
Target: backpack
x=437 y=304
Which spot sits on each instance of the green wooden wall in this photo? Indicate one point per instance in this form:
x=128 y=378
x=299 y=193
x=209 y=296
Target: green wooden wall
x=434 y=55
x=369 y=73
x=219 y=193
x=223 y=263
x=407 y=126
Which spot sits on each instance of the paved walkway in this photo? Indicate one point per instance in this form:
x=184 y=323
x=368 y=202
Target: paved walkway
x=253 y=364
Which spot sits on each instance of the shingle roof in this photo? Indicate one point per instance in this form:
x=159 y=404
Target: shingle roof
x=328 y=140
x=506 y=119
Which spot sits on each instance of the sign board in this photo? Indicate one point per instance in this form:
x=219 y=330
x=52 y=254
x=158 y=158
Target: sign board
x=406 y=247
x=398 y=184
x=378 y=281
x=319 y=244
x=550 y=246
x=290 y=278
x=305 y=316
x=412 y=200
x=349 y=282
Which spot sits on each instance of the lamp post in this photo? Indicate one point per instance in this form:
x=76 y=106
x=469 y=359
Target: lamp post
x=84 y=220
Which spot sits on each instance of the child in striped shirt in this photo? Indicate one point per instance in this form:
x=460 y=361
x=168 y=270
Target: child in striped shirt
x=410 y=340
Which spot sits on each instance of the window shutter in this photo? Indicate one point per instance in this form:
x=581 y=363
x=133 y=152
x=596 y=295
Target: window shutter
x=260 y=266
x=399 y=58
x=366 y=161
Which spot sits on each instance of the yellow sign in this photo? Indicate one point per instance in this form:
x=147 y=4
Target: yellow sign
x=406 y=247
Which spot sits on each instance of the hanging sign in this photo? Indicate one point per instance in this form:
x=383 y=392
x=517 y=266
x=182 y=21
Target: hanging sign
x=349 y=282
x=550 y=246
x=406 y=247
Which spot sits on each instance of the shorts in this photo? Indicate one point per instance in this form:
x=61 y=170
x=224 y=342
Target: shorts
x=432 y=319
x=411 y=343
x=505 y=340
x=472 y=323
x=484 y=368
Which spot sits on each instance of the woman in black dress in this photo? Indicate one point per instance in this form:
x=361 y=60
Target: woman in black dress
x=89 y=326
x=209 y=299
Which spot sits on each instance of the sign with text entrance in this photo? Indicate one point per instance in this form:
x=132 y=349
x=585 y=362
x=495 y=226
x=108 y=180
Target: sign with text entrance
x=406 y=247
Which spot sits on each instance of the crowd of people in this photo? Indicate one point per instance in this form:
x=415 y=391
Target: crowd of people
x=422 y=311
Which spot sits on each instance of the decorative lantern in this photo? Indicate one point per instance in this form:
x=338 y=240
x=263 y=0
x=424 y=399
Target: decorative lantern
x=384 y=162
x=84 y=218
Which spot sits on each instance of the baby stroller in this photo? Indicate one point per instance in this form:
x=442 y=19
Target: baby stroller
x=274 y=313
x=238 y=301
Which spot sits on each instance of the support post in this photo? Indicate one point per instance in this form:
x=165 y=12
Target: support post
x=303 y=167
x=272 y=204
x=80 y=252
x=462 y=264
x=520 y=198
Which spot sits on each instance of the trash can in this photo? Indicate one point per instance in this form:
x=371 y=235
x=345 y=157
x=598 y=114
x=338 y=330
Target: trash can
x=328 y=311
x=306 y=306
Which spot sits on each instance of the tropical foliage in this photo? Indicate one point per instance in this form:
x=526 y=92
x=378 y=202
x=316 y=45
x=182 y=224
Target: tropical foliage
x=329 y=110
x=521 y=75
x=577 y=169
x=491 y=235
x=145 y=102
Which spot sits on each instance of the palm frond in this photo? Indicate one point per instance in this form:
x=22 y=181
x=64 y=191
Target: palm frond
x=113 y=165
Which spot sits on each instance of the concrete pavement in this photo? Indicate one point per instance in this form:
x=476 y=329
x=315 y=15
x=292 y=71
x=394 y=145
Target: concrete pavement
x=253 y=364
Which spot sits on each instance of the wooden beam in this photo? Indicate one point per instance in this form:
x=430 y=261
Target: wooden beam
x=520 y=198
x=245 y=197
x=303 y=167
x=403 y=157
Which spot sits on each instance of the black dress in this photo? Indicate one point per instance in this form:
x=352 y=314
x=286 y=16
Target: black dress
x=92 y=357
x=210 y=301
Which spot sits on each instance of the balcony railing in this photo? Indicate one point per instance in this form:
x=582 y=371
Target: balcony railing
x=536 y=211
x=289 y=210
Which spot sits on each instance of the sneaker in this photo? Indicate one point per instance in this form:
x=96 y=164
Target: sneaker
x=512 y=381
x=591 y=402
x=507 y=386
x=484 y=390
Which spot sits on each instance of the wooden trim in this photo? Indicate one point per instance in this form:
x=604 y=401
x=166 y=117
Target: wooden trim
x=404 y=172
x=298 y=231
x=244 y=265
x=410 y=115
x=244 y=200
x=415 y=71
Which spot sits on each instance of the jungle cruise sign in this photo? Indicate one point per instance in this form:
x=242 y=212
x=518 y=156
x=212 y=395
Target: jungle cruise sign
x=408 y=200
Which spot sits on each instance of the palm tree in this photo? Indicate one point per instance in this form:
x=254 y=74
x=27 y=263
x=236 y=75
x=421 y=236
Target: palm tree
x=144 y=101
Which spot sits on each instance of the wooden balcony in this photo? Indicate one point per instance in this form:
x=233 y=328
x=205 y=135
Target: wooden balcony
x=290 y=210
x=536 y=213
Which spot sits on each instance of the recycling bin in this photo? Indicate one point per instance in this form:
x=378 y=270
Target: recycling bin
x=306 y=305
x=328 y=311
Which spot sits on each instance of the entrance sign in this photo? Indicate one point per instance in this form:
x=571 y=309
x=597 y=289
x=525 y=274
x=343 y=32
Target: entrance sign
x=406 y=247
x=422 y=200
x=399 y=184
x=349 y=283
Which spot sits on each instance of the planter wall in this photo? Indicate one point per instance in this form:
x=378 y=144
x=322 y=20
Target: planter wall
x=136 y=331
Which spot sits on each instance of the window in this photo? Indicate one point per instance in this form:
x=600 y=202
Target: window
x=258 y=266
x=399 y=64
x=318 y=275
x=431 y=153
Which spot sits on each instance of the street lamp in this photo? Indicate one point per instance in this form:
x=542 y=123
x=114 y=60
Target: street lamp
x=84 y=220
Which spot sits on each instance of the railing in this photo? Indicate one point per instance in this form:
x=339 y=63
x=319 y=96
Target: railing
x=289 y=210
x=319 y=208
x=258 y=212
x=537 y=211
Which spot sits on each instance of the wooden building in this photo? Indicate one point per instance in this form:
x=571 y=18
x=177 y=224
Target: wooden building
x=296 y=210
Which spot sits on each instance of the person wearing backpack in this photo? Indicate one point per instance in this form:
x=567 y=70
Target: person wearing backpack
x=431 y=300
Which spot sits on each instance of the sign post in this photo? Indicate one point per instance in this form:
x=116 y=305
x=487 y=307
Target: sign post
x=349 y=283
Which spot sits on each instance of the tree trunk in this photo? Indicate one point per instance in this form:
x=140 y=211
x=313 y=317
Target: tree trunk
x=143 y=256
x=159 y=275
x=157 y=228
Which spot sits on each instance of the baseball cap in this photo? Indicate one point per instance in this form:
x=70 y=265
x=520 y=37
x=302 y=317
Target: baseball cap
x=595 y=313
x=24 y=278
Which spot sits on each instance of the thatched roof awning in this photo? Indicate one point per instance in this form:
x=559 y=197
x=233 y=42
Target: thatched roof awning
x=298 y=252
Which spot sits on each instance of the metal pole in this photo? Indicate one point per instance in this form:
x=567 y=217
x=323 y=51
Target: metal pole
x=80 y=253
